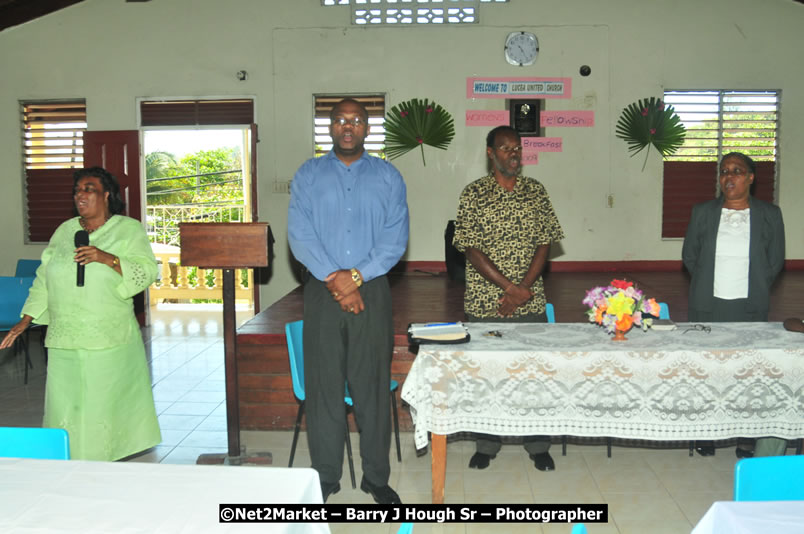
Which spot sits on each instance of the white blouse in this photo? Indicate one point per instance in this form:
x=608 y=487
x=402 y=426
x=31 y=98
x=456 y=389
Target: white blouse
x=731 y=254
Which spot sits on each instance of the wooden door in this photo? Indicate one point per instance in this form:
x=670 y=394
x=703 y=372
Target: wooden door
x=118 y=152
x=253 y=139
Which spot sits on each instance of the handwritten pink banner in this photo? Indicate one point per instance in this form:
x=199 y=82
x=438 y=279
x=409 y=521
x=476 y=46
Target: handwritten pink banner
x=541 y=144
x=482 y=117
x=530 y=158
x=571 y=119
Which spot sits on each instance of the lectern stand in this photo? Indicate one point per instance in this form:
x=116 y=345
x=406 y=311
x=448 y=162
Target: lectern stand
x=227 y=246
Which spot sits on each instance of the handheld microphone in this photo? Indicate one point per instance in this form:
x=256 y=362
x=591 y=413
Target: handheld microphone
x=81 y=240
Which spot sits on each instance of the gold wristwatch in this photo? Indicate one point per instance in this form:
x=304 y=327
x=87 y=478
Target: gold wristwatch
x=356 y=277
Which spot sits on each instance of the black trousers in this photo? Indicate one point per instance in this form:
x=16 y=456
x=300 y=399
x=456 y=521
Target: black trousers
x=490 y=444
x=341 y=347
x=728 y=311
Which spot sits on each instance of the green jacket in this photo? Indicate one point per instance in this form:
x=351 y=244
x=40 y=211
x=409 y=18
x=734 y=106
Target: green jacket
x=100 y=314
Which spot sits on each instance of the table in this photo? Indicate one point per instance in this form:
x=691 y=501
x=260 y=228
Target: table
x=77 y=496
x=745 y=517
x=737 y=380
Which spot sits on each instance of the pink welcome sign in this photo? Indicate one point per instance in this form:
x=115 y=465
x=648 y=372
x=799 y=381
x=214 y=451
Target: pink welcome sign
x=519 y=87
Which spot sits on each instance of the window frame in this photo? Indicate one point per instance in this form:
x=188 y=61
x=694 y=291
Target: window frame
x=323 y=104
x=48 y=183
x=688 y=179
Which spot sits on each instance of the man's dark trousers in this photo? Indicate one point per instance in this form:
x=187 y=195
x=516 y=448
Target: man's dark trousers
x=342 y=347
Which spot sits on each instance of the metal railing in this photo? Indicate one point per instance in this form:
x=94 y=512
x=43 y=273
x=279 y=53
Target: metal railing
x=162 y=222
x=188 y=283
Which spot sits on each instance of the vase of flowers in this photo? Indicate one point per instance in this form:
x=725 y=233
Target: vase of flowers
x=619 y=306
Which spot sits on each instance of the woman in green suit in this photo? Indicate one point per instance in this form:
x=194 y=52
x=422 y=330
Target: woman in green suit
x=98 y=385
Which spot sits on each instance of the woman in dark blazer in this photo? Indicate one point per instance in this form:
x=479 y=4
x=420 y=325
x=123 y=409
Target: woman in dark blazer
x=734 y=249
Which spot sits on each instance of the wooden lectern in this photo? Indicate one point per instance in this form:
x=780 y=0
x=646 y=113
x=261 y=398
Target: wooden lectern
x=227 y=246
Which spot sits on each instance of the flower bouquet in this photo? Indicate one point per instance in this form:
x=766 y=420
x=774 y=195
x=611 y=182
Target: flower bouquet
x=619 y=306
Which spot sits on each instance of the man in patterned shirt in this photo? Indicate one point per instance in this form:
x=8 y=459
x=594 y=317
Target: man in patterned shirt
x=505 y=226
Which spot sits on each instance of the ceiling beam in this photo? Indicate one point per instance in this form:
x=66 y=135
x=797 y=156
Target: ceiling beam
x=15 y=12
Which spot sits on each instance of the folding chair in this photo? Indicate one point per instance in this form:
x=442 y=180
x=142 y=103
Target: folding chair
x=13 y=292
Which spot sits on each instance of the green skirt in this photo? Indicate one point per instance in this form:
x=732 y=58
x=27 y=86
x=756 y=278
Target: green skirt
x=103 y=398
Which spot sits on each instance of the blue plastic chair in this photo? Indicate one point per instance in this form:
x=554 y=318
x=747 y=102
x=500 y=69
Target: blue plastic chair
x=27 y=267
x=294 y=333
x=578 y=528
x=13 y=292
x=40 y=443
x=551 y=313
x=770 y=478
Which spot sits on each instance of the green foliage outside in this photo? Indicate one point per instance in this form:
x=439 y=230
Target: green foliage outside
x=194 y=184
x=753 y=134
x=209 y=281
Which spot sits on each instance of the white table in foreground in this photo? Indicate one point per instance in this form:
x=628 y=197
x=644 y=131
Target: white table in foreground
x=748 y=517
x=112 y=497
x=738 y=380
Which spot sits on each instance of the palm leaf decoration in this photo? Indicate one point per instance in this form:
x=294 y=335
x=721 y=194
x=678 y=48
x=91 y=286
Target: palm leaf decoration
x=416 y=123
x=651 y=122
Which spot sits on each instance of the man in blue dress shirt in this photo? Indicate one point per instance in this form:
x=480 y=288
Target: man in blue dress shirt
x=348 y=224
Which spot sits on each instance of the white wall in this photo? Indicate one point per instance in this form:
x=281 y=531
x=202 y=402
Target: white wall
x=111 y=53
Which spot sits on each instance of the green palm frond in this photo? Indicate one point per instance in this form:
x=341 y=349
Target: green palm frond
x=416 y=123
x=651 y=122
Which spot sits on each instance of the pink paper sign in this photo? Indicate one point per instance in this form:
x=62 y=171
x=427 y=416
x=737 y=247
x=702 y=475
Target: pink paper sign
x=482 y=117
x=541 y=144
x=524 y=87
x=530 y=158
x=571 y=119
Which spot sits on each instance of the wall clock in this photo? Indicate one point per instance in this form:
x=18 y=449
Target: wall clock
x=521 y=48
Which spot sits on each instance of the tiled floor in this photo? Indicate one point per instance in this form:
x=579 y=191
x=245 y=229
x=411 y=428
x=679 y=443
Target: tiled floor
x=657 y=491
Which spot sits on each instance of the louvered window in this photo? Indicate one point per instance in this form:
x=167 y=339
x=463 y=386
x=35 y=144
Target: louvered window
x=53 y=146
x=196 y=112
x=375 y=105
x=718 y=122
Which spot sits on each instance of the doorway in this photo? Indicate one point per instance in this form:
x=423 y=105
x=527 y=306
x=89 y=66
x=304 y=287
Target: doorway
x=195 y=175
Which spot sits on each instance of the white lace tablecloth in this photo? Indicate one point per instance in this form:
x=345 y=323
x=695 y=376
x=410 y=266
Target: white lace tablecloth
x=738 y=380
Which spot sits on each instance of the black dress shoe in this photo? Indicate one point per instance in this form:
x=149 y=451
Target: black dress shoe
x=480 y=460
x=381 y=494
x=329 y=488
x=743 y=453
x=705 y=448
x=543 y=461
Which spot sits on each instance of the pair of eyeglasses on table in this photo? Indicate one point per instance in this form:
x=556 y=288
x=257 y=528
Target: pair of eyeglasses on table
x=698 y=328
